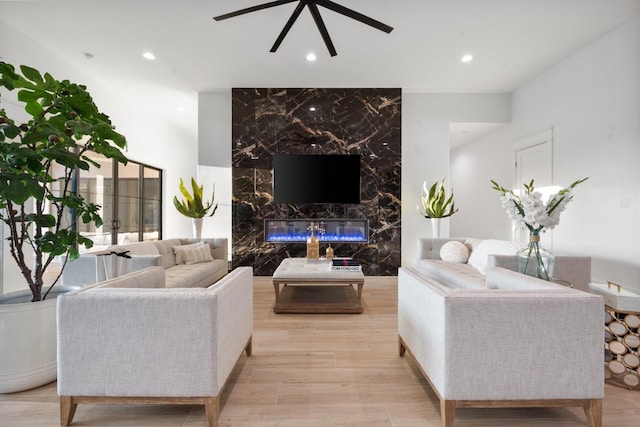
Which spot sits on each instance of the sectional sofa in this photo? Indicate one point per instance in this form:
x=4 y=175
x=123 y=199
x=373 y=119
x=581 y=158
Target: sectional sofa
x=184 y=261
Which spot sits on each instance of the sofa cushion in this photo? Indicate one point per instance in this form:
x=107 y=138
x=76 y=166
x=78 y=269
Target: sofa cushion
x=140 y=248
x=479 y=255
x=460 y=276
x=139 y=262
x=200 y=254
x=165 y=248
x=501 y=278
x=192 y=252
x=195 y=275
x=150 y=277
x=455 y=252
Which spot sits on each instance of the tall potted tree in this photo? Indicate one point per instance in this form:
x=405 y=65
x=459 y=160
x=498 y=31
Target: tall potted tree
x=39 y=161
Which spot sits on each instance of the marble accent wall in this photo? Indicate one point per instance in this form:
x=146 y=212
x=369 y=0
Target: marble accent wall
x=268 y=121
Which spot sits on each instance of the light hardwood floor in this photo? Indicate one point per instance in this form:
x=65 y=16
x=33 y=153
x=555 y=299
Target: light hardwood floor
x=318 y=370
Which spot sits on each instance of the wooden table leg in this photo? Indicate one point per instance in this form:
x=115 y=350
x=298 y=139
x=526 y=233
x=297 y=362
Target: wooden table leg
x=276 y=288
x=360 y=285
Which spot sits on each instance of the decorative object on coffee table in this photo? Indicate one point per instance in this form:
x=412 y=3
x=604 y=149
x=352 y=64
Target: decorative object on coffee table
x=329 y=253
x=529 y=212
x=436 y=205
x=313 y=244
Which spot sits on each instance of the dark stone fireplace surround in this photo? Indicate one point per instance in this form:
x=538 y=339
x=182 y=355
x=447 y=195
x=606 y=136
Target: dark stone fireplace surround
x=268 y=121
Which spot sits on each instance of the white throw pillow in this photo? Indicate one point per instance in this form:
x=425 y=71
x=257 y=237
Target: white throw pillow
x=455 y=252
x=479 y=256
x=195 y=252
x=198 y=254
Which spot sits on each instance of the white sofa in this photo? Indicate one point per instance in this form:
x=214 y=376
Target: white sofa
x=131 y=340
x=515 y=342
x=98 y=266
x=573 y=270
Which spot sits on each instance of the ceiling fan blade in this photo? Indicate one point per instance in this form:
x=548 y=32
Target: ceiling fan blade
x=252 y=9
x=354 y=15
x=288 y=26
x=322 y=28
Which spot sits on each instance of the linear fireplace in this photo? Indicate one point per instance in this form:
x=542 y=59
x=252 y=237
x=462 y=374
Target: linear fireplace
x=326 y=230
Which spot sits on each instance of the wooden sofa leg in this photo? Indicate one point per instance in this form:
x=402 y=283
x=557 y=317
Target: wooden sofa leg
x=593 y=411
x=401 y=348
x=212 y=409
x=67 y=410
x=447 y=412
x=249 y=347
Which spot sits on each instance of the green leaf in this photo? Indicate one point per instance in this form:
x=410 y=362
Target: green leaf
x=435 y=202
x=34 y=108
x=192 y=205
x=32 y=74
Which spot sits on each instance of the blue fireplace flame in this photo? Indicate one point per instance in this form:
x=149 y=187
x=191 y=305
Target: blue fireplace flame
x=335 y=231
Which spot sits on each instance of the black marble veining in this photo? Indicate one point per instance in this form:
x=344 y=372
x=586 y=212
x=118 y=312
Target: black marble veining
x=316 y=121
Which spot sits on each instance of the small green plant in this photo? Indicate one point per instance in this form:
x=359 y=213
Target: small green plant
x=435 y=203
x=192 y=205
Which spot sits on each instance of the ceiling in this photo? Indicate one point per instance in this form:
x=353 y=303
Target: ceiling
x=511 y=41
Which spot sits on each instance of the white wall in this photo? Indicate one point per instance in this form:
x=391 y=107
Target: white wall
x=425 y=152
x=214 y=129
x=592 y=101
x=219 y=225
x=472 y=168
x=157 y=133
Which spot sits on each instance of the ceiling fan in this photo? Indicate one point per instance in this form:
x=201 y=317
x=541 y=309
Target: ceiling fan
x=315 y=13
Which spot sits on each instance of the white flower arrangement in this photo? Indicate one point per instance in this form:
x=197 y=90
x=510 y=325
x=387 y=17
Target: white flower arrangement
x=528 y=211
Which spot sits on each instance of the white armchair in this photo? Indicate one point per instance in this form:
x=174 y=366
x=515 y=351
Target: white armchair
x=129 y=340
x=521 y=342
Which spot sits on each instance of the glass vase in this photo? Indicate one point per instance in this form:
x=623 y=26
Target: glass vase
x=534 y=260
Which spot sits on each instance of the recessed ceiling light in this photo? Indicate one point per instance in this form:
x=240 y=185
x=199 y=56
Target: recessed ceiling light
x=311 y=57
x=148 y=55
x=467 y=58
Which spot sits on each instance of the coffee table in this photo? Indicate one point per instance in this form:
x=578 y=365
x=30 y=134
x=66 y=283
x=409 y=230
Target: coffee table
x=312 y=287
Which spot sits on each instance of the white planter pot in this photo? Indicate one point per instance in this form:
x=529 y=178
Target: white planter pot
x=436 y=225
x=27 y=342
x=197 y=227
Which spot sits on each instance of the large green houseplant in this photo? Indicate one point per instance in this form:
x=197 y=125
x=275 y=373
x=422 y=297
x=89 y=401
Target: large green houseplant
x=39 y=160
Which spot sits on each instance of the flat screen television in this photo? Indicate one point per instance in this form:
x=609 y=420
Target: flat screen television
x=316 y=178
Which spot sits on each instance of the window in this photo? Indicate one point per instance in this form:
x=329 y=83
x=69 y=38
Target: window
x=131 y=200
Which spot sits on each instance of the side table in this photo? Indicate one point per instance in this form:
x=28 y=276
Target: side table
x=622 y=344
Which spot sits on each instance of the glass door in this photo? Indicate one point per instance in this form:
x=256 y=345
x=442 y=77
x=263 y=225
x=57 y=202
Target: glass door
x=96 y=186
x=130 y=197
x=151 y=204
x=127 y=221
